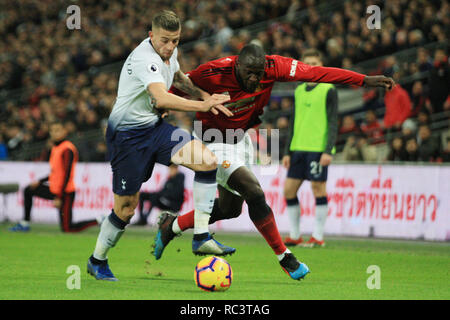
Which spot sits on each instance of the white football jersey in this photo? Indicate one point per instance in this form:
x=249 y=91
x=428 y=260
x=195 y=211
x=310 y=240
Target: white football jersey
x=133 y=107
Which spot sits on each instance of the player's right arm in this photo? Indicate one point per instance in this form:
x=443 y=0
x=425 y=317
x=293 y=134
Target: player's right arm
x=162 y=99
x=148 y=72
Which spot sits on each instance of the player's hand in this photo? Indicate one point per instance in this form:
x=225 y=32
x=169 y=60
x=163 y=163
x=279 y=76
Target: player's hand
x=286 y=161
x=379 y=81
x=57 y=203
x=215 y=103
x=325 y=159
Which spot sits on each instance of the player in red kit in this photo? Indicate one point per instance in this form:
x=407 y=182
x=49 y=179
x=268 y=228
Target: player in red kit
x=249 y=78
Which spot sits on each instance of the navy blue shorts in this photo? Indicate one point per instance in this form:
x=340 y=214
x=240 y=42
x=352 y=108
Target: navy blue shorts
x=306 y=166
x=134 y=152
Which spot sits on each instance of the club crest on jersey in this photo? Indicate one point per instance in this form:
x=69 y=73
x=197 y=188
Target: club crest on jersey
x=226 y=164
x=153 y=68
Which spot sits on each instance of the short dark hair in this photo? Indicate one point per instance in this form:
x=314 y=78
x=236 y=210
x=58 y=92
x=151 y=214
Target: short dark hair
x=312 y=52
x=252 y=53
x=167 y=20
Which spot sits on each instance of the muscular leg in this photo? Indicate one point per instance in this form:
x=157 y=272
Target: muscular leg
x=114 y=226
x=291 y=187
x=244 y=181
x=196 y=156
x=227 y=206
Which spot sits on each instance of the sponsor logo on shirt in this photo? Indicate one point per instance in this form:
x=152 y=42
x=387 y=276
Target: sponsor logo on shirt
x=293 y=68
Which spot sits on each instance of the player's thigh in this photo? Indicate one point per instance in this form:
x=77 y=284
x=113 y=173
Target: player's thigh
x=229 y=203
x=124 y=205
x=244 y=181
x=196 y=156
x=291 y=186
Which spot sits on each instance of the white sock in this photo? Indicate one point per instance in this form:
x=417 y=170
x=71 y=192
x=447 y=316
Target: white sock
x=201 y=222
x=281 y=256
x=25 y=223
x=294 y=221
x=176 y=227
x=204 y=196
x=108 y=237
x=319 y=223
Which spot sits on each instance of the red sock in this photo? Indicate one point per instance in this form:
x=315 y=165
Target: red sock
x=186 y=221
x=268 y=228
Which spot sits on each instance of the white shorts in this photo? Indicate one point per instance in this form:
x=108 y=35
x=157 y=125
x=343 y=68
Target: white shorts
x=231 y=157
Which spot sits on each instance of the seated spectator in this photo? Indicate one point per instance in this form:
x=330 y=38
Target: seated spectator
x=398 y=107
x=273 y=111
x=423 y=118
x=287 y=106
x=445 y=154
x=397 y=151
x=419 y=100
x=447 y=103
x=428 y=146
x=409 y=128
x=348 y=125
x=423 y=60
x=439 y=80
x=411 y=147
x=357 y=149
x=372 y=128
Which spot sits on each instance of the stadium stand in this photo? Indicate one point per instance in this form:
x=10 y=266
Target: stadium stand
x=48 y=71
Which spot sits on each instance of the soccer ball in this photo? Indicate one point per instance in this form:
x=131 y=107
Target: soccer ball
x=213 y=274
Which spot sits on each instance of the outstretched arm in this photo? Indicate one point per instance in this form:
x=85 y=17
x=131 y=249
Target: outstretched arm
x=288 y=69
x=162 y=99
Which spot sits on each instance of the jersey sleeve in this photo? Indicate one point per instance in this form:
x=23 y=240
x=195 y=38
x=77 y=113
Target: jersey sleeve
x=197 y=77
x=287 y=69
x=147 y=71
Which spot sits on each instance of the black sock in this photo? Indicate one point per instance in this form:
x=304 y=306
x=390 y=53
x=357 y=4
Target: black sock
x=96 y=261
x=201 y=236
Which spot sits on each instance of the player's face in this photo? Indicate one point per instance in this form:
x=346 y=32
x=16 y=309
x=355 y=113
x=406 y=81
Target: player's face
x=312 y=61
x=57 y=132
x=250 y=74
x=164 y=42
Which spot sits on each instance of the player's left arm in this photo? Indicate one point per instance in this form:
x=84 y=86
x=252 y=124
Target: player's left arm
x=332 y=123
x=184 y=84
x=288 y=69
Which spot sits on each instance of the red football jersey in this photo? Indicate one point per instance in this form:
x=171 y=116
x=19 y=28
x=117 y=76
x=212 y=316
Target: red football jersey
x=218 y=76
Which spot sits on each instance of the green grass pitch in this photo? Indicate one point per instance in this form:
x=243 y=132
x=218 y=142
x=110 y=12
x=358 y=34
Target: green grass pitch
x=34 y=265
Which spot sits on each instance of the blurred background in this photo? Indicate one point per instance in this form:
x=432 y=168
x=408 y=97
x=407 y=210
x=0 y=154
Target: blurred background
x=49 y=72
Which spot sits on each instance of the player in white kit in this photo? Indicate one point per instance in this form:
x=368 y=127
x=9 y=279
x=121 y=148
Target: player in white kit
x=138 y=137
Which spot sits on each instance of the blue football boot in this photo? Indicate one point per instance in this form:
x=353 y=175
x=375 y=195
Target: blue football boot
x=295 y=269
x=165 y=233
x=209 y=246
x=100 y=271
x=20 y=228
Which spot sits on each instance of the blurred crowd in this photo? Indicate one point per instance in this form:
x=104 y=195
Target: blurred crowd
x=49 y=72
